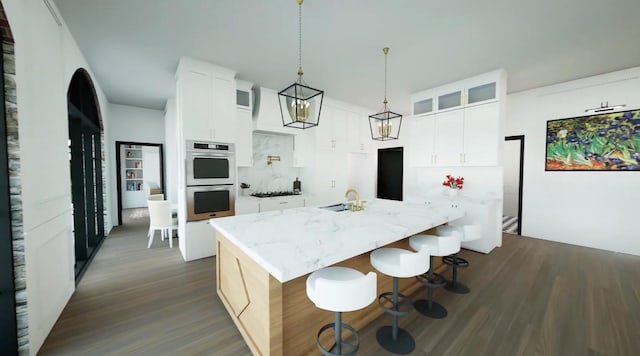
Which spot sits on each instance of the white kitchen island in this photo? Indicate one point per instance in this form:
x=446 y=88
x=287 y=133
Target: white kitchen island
x=263 y=261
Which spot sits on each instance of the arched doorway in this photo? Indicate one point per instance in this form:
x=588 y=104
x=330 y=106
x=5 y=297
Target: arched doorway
x=85 y=148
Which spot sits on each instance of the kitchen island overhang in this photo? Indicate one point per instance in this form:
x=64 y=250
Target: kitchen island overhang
x=263 y=261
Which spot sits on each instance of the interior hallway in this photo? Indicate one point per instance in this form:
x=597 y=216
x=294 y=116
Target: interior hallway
x=528 y=297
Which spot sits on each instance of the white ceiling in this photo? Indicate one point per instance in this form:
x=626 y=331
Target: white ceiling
x=133 y=47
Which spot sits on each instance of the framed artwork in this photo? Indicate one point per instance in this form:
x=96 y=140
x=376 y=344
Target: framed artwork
x=599 y=142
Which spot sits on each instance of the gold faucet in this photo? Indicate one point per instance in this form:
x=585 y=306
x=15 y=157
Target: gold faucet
x=359 y=205
x=271 y=159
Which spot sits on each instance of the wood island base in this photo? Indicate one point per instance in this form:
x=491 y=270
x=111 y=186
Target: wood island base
x=277 y=318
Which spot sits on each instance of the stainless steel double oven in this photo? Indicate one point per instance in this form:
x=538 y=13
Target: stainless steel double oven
x=210 y=179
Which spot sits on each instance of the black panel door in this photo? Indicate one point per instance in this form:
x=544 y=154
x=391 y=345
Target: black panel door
x=390 y=173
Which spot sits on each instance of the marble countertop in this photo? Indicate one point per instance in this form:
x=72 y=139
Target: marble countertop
x=294 y=242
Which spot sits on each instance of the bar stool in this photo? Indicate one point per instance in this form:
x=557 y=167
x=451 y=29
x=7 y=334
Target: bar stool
x=340 y=289
x=437 y=246
x=467 y=233
x=397 y=263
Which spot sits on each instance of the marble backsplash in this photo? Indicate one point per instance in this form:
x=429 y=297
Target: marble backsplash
x=277 y=176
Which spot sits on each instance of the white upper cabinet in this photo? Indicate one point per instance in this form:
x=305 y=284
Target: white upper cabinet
x=359 y=134
x=244 y=95
x=477 y=90
x=481 y=135
x=485 y=88
x=224 y=95
x=196 y=103
x=206 y=101
x=449 y=138
x=463 y=126
x=244 y=124
x=422 y=135
x=331 y=132
x=451 y=98
x=244 y=138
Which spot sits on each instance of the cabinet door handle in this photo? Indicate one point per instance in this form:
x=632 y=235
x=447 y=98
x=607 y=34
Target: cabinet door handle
x=284 y=202
x=362 y=147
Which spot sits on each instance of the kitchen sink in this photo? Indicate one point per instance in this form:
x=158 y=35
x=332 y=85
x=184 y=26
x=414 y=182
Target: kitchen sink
x=336 y=207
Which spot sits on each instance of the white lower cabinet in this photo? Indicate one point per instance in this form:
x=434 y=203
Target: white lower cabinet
x=270 y=204
x=254 y=205
x=248 y=206
x=200 y=240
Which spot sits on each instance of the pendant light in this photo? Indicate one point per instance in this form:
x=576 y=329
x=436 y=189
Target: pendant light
x=385 y=125
x=300 y=104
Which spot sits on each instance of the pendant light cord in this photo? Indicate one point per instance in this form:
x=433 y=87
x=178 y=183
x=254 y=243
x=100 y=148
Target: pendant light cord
x=300 y=42
x=385 y=51
x=385 y=80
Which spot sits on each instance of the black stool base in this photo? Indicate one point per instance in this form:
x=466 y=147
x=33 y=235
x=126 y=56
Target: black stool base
x=348 y=349
x=402 y=345
x=457 y=287
x=437 y=311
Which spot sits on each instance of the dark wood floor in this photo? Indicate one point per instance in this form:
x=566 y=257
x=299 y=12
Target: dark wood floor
x=530 y=297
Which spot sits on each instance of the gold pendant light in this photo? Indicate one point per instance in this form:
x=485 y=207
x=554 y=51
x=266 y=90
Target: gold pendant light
x=300 y=104
x=385 y=125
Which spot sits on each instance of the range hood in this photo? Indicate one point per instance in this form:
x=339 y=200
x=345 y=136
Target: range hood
x=266 y=113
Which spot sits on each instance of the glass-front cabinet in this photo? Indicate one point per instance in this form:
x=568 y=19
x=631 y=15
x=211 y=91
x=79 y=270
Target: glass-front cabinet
x=450 y=100
x=478 y=90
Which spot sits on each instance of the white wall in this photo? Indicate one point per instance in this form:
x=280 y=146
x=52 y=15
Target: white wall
x=594 y=209
x=133 y=124
x=171 y=151
x=46 y=58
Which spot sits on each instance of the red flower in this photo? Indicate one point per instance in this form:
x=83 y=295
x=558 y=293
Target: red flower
x=453 y=183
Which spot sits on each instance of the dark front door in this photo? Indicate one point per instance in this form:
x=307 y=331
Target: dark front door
x=390 y=173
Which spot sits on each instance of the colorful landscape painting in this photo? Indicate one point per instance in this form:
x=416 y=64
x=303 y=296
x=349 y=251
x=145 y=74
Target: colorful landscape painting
x=602 y=142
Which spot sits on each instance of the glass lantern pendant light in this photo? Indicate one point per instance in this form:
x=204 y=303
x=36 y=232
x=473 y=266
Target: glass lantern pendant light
x=300 y=104
x=385 y=125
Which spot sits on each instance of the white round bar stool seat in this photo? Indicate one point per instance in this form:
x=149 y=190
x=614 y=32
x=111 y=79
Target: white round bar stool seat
x=340 y=289
x=397 y=263
x=437 y=246
x=469 y=232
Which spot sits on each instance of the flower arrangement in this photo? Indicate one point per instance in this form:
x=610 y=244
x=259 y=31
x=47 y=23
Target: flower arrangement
x=453 y=183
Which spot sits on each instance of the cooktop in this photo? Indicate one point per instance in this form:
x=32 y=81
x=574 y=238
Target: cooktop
x=273 y=194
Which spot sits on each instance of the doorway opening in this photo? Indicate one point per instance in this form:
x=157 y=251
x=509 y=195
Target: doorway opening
x=85 y=161
x=513 y=180
x=140 y=173
x=390 y=170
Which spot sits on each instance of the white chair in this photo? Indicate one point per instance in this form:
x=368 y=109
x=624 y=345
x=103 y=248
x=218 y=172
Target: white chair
x=397 y=263
x=340 y=289
x=437 y=246
x=467 y=233
x=160 y=219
